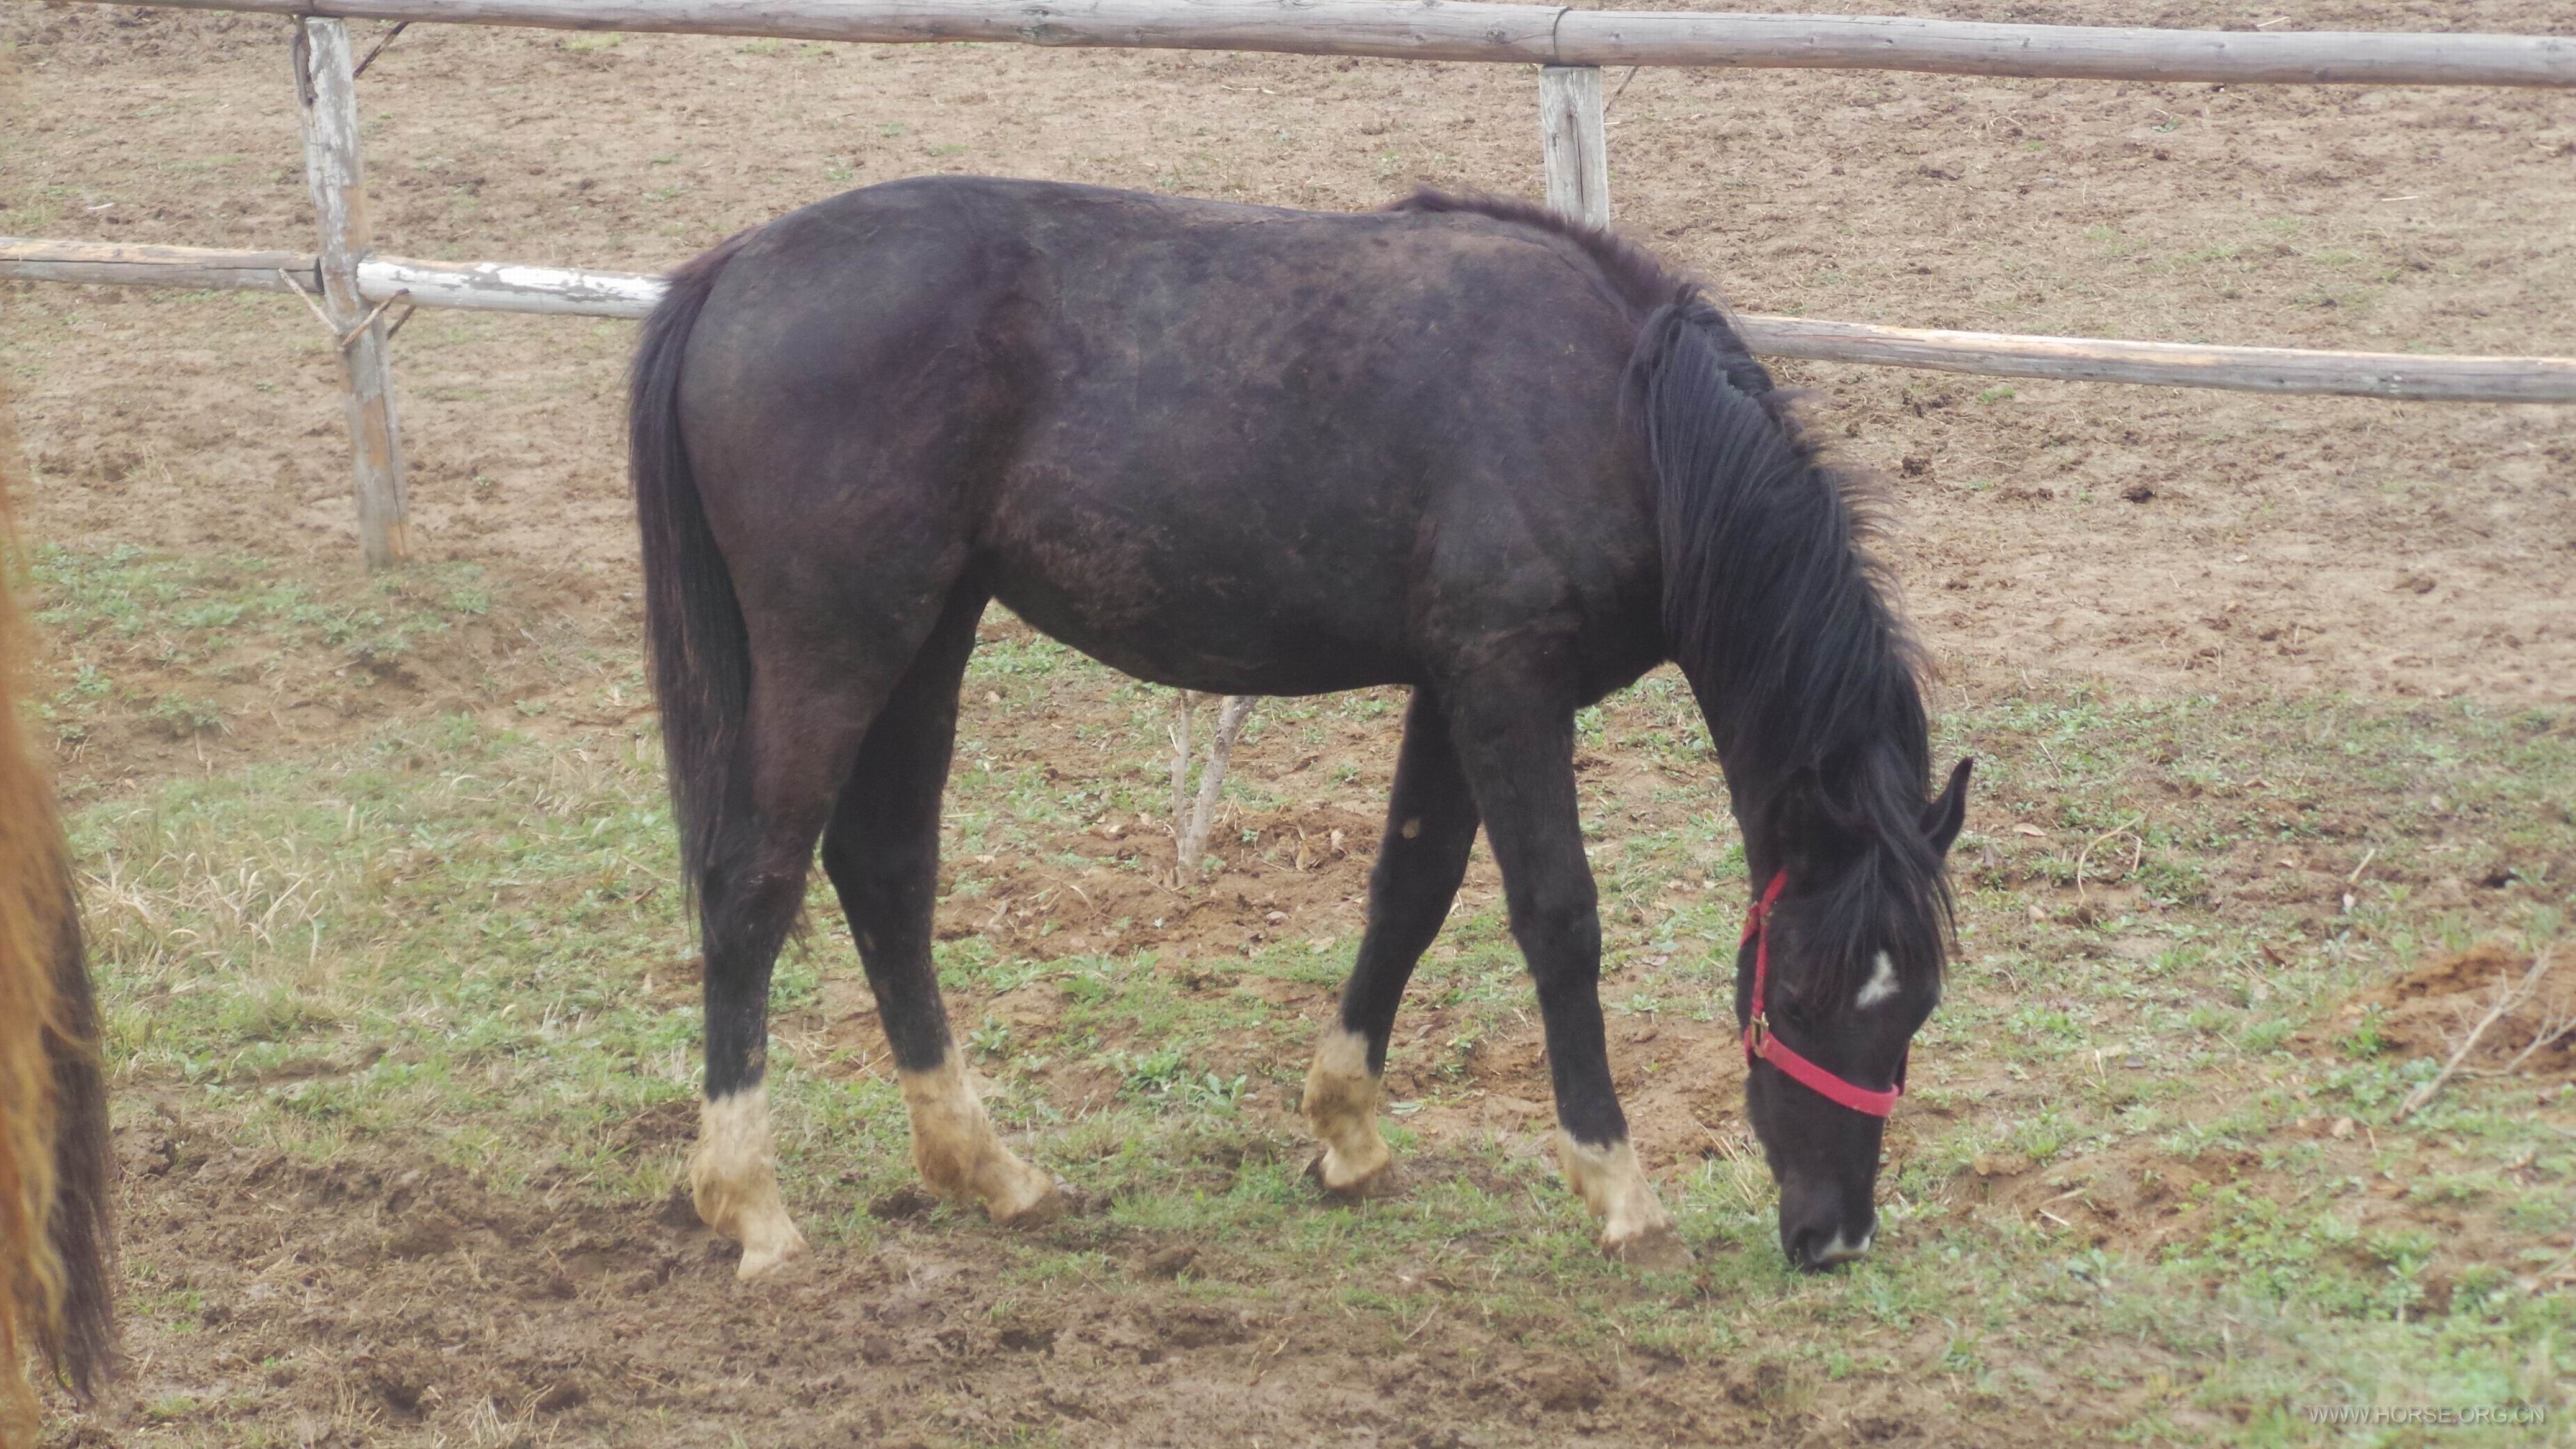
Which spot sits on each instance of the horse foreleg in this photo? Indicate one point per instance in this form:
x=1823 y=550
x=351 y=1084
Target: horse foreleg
x=1518 y=751
x=882 y=853
x=1430 y=824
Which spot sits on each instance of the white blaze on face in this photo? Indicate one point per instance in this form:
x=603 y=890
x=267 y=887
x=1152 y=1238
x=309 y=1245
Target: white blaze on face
x=1881 y=985
x=1839 y=1251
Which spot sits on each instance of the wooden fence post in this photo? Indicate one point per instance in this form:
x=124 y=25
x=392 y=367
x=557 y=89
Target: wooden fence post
x=326 y=96
x=1573 y=142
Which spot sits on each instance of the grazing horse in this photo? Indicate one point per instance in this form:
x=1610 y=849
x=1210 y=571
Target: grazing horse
x=55 y=1241
x=1459 y=445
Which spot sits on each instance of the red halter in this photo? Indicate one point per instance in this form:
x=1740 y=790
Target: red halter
x=1759 y=1042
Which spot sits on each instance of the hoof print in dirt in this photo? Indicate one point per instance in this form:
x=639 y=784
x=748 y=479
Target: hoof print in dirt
x=1075 y=1202
x=1660 y=1251
x=679 y=1212
x=1171 y=1262
x=908 y=1201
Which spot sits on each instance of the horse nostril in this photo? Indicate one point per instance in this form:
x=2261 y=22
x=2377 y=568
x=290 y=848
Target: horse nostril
x=1803 y=1246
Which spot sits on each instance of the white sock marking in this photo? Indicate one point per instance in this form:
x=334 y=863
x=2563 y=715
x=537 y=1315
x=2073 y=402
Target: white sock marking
x=733 y=1178
x=1341 y=1109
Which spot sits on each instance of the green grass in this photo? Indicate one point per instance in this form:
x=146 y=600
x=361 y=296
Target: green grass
x=209 y=623
x=464 y=942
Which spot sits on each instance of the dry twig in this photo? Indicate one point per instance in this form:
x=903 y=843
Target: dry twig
x=2113 y=833
x=1229 y=727
x=2509 y=997
x=1192 y=819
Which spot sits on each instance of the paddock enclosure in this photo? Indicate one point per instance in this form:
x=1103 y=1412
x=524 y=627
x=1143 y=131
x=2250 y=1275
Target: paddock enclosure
x=2277 y=694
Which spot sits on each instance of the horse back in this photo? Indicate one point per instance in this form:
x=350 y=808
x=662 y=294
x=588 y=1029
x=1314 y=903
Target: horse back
x=1229 y=447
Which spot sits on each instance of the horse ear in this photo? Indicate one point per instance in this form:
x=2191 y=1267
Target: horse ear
x=1949 y=809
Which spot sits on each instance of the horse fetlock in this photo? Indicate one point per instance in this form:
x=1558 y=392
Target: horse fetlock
x=959 y=1155
x=1635 y=1229
x=733 y=1182
x=1341 y=1110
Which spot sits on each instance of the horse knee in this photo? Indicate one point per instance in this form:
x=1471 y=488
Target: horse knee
x=1559 y=933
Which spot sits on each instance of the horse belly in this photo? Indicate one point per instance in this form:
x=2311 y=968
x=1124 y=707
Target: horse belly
x=1205 y=608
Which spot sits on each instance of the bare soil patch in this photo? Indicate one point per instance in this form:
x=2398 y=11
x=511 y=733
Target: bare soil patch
x=2164 y=542
x=2432 y=1011
x=371 y=1298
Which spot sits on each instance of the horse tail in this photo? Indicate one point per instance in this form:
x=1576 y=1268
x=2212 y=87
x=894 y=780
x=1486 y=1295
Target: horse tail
x=701 y=653
x=57 y=1240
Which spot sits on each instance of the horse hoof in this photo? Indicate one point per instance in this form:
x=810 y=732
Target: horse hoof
x=1044 y=1206
x=769 y=1259
x=1379 y=1181
x=1656 y=1250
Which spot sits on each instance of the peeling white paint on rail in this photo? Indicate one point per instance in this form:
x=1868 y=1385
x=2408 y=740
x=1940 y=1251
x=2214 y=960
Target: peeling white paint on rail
x=510 y=287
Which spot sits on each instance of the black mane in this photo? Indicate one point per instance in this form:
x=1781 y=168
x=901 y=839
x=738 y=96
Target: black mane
x=1818 y=718
x=1818 y=712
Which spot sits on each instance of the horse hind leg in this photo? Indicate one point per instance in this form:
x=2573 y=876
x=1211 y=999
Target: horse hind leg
x=1430 y=826
x=802 y=733
x=882 y=853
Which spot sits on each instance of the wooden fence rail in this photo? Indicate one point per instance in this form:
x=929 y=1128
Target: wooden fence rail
x=353 y=287
x=563 y=291
x=1542 y=34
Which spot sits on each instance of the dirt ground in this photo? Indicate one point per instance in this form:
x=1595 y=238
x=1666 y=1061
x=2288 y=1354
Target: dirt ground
x=2161 y=542
x=2292 y=543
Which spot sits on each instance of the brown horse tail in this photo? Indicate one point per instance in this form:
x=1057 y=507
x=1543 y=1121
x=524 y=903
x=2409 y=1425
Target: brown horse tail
x=701 y=655
x=57 y=1244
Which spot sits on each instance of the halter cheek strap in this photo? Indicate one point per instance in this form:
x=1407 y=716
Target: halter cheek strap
x=1760 y=1044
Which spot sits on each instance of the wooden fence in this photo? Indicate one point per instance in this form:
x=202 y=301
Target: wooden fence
x=353 y=289
x=1544 y=35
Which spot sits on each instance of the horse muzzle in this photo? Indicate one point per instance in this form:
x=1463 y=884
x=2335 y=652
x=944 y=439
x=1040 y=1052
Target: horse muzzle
x=1821 y=1225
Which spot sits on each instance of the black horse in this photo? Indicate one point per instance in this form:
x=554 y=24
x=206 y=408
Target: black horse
x=1460 y=445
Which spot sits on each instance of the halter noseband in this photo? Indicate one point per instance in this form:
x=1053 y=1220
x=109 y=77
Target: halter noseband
x=1760 y=1043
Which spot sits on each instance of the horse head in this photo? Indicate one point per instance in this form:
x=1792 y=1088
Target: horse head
x=1839 y=966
